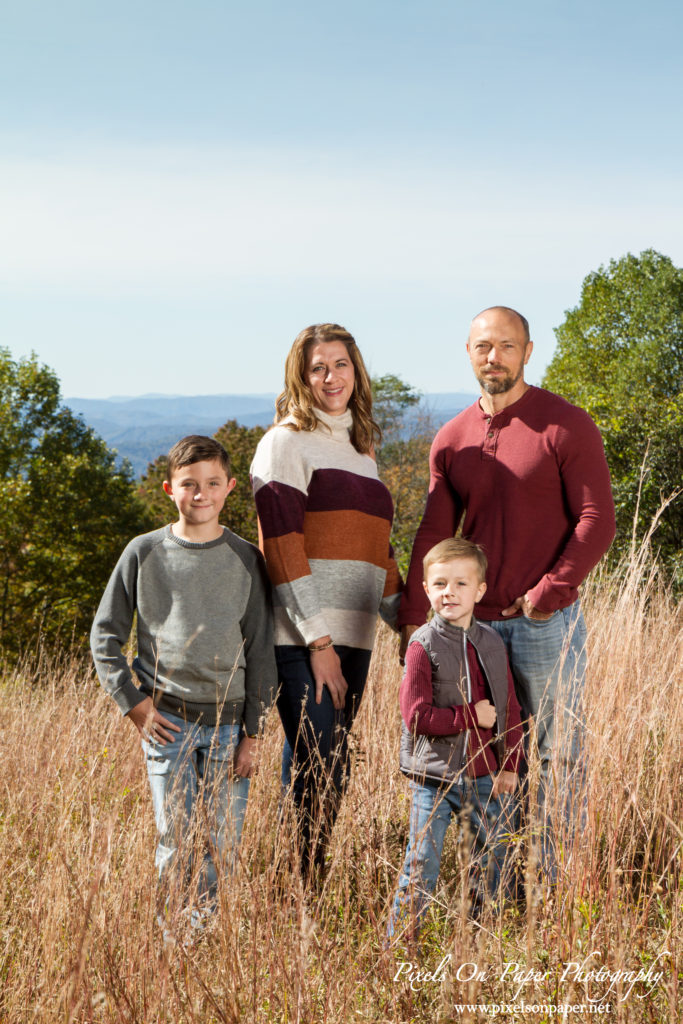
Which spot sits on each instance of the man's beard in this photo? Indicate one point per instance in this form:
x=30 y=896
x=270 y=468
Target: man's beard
x=499 y=385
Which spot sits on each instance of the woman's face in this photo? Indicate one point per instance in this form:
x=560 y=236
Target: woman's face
x=330 y=375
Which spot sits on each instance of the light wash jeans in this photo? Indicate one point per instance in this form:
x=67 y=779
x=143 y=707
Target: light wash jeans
x=192 y=781
x=431 y=811
x=548 y=662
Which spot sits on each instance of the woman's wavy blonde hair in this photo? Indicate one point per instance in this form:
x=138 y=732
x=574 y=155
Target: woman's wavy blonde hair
x=297 y=399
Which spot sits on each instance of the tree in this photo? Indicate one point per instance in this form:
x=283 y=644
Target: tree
x=402 y=457
x=66 y=515
x=620 y=356
x=391 y=400
x=239 y=512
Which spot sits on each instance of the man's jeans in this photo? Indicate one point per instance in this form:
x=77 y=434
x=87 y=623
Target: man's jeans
x=193 y=785
x=431 y=811
x=548 y=662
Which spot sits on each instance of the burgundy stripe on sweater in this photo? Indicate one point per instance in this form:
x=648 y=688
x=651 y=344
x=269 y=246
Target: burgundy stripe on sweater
x=281 y=508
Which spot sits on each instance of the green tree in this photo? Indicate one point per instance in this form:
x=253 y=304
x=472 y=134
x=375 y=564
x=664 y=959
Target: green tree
x=391 y=400
x=67 y=512
x=620 y=356
x=402 y=457
x=239 y=512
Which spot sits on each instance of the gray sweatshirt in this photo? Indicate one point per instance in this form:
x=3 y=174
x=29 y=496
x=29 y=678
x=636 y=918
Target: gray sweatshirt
x=204 y=629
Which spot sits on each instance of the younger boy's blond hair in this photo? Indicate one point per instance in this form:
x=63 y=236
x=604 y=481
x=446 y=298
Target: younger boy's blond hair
x=455 y=547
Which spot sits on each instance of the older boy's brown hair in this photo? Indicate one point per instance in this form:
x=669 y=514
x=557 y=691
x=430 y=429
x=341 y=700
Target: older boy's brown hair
x=196 y=448
x=455 y=547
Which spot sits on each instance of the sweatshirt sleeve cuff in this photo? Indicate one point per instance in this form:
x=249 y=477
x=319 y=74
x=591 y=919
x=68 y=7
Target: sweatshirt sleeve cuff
x=313 y=628
x=544 y=597
x=128 y=697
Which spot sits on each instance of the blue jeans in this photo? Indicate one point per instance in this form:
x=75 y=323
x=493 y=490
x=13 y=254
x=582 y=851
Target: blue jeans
x=548 y=662
x=192 y=783
x=431 y=811
x=315 y=757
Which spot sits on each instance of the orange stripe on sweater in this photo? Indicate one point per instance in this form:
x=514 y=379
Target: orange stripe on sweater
x=347 y=534
x=285 y=558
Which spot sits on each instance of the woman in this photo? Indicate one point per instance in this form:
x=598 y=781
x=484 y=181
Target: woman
x=325 y=520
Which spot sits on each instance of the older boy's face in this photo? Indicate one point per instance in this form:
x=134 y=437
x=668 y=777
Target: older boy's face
x=199 y=491
x=453 y=589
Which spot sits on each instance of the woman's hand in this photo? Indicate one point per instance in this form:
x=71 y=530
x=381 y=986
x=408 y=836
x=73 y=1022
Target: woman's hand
x=326 y=669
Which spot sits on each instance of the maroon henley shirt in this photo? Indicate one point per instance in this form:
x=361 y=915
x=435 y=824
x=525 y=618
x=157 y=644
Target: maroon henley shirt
x=533 y=486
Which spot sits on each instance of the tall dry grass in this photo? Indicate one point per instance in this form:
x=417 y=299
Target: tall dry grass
x=78 y=935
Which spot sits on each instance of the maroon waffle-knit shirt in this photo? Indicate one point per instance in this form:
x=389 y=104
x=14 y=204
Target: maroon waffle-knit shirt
x=532 y=487
x=422 y=717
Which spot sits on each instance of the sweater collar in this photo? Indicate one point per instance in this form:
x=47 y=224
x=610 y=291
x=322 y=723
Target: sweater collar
x=339 y=426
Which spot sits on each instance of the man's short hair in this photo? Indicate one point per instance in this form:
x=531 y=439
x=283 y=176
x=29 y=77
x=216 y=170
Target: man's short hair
x=507 y=309
x=196 y=448
x=456 y=547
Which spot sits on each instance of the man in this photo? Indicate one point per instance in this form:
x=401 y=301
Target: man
x=526 y=473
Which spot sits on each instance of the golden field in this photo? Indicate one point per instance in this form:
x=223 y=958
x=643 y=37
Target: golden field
x=78 y=935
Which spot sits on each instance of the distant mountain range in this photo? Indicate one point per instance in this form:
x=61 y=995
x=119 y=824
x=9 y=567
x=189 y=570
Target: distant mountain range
x=142 y=428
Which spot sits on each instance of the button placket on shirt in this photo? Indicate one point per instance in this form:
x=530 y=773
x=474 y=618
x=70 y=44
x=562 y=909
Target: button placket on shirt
x=488 y=450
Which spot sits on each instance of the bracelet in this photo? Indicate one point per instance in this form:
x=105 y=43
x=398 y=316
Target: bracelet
x=322 y=647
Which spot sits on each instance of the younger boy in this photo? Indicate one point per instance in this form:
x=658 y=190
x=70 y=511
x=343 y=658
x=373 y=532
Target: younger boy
x=461 y=724
x=204 y=661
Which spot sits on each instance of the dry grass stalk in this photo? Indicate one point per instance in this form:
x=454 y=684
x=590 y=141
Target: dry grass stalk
x=79 y=940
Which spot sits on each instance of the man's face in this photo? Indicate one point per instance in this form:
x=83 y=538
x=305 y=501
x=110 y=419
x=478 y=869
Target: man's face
x=498 y=350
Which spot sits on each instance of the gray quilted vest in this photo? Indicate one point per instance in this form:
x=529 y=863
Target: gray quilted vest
x=442 y=758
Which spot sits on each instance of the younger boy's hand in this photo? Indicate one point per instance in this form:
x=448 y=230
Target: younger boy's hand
x=152 y=725
x=486 y=714
x=504 y=782
x=246 y=757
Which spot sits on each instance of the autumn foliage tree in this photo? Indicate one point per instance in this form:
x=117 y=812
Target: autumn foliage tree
x=67 y=512
x=620 y=356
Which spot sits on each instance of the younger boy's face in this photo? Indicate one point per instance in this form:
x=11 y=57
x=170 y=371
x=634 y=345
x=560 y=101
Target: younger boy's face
x=199 y=491
x=453 y=589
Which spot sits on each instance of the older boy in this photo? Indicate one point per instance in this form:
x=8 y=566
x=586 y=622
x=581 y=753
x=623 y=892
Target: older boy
x=204 y=661
x=461 y=733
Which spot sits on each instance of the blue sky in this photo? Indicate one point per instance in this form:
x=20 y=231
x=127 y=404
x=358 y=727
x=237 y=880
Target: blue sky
x=184 y=186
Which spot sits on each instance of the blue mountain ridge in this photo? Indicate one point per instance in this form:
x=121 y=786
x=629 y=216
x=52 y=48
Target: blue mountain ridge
x=143 y=427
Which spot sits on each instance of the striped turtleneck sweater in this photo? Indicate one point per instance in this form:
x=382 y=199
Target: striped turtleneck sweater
x=325 y=521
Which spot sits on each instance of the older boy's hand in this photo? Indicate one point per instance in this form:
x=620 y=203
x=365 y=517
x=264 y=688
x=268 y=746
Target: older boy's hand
x=152 y=725
x=406 y=633
x=504 y=782
x=246 y=757
x=326 y=669
x=486 y=714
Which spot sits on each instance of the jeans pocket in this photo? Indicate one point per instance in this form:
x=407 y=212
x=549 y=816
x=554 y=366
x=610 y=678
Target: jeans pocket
x=541 y=623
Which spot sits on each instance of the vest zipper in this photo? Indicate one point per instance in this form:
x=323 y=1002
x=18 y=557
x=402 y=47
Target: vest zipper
x=469 y=695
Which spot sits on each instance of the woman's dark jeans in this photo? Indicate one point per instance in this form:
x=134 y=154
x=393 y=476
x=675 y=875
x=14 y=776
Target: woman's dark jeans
x=315 y=758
